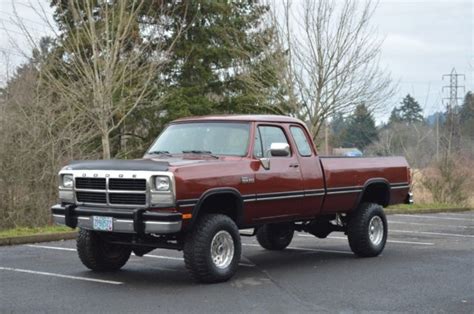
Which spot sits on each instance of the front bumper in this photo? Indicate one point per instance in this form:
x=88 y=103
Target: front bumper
x=138 y=221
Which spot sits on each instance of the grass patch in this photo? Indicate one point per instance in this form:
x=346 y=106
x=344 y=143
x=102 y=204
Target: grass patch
x=26 y=231
x=425 y=208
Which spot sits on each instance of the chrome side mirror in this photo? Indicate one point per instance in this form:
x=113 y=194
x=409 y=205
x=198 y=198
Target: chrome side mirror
x=276 y=150
x=265 y=163
x=280 y=149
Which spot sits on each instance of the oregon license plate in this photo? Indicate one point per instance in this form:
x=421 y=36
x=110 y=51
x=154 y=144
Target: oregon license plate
x=102 y=223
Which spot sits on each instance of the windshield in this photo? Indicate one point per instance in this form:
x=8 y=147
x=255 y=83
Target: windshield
x=217 y=138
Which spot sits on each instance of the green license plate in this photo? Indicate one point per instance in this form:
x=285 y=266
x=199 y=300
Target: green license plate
x=102 y=223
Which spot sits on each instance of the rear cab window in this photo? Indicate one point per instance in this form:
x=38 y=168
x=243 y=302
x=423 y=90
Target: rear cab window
x=301 y=141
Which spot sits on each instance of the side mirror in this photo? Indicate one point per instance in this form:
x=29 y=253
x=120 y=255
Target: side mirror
x=279 y=149
x=265 y=163
x=276 y=150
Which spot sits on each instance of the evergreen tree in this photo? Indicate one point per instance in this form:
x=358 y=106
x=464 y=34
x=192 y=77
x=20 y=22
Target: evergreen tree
x=338 y=130
x=466 y=116
x=395 y=116
x=361 y=130
x=225 y=44
x=410 y=110
x=220 y=56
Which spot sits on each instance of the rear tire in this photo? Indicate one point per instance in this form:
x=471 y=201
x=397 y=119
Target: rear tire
x=212 y=249
x=97 y=254
x=367 y=230
x=275 y=237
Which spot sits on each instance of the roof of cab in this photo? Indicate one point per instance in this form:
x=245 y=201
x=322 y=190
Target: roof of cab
x=248 y=118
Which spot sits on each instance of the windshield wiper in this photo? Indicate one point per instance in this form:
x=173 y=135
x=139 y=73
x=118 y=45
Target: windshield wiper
x=200 y=152
x=159 y=152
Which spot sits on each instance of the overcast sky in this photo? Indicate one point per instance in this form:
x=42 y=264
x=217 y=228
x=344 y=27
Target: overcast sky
x=424 y=39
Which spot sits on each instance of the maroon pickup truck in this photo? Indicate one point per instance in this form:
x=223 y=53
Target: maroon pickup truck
x=205 y=178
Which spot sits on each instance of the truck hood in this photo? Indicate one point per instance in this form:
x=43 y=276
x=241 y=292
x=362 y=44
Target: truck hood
x=133 y=165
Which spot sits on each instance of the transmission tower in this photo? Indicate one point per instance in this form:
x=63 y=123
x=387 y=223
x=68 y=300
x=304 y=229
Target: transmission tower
x=452 y=118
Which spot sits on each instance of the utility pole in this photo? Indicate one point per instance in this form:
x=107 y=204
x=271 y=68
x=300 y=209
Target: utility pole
x=452 y=125
x=437 y=136
x=326 y=137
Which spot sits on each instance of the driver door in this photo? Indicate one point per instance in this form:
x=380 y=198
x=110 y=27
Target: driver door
x=278 y=189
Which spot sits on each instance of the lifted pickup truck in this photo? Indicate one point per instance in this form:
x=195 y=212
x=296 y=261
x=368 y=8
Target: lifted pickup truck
x=205 y=178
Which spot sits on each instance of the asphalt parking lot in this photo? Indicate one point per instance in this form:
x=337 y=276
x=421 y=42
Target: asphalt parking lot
x=427 y=266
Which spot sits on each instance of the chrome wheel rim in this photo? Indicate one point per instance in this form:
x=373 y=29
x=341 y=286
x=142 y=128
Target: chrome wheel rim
x=222 y=249
x=376 y=230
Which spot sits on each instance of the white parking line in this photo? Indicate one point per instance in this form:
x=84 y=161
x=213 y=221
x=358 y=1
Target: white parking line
x=389 y=241
x=431 y=217
x=435 y=233
x=182 y=259
x=163 y=257
x=146 y=255
x=61 y=275
x=469 y=214
x=305 y=249
x=247 y=265
x=426 y=224
x=51 y=247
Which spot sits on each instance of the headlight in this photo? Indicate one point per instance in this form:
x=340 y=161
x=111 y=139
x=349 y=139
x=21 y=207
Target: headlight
x=162 y=183
x=68 y=181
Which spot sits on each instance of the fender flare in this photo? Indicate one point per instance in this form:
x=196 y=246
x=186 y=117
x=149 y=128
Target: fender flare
x=217 y=191
x=370 y=182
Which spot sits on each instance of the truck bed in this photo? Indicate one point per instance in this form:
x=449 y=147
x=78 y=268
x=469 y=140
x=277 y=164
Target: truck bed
x=347 y=177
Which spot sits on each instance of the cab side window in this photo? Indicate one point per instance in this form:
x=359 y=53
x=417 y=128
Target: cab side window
x=266 y=136
x=304 y=148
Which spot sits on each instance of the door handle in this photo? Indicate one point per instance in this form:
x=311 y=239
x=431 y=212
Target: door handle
x=294 y=165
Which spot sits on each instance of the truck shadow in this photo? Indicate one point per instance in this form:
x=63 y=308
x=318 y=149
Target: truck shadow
x=290 y=259
x=146 y=273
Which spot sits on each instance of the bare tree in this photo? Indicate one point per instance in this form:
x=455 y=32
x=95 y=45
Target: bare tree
x=38 y=134
x=72 y=91
x=417 y=142
x=333 y=59
x=108 y=59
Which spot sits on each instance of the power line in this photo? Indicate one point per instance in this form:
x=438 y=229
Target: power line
x=24 y=19
x=11 y=23
x=2 y=27
x=12 y=31
x=9 y=51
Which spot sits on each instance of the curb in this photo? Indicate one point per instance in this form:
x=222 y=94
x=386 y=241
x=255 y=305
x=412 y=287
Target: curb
x=393 y=211
x=46 y=237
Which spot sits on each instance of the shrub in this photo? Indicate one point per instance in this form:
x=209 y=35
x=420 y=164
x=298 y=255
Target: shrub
x=446 y=181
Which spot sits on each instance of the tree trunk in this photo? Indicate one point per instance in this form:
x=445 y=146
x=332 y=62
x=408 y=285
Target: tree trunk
x=105 y=145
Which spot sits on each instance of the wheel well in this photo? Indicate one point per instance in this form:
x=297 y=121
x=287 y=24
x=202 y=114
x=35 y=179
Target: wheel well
x=222 y=203
x=377 y=192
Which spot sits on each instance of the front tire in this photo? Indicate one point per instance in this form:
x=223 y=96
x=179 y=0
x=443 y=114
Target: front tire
x=367 y=230
x=97 y=254
x=212 y=249
x=275 y=237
